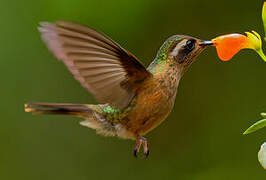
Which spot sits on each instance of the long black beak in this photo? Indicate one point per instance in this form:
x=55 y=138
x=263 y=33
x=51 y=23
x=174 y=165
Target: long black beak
x=206 y=43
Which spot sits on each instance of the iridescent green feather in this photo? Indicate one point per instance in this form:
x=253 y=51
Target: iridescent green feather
x=112 y=114
x=162 y=55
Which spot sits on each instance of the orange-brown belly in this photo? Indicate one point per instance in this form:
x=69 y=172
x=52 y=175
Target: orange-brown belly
x=152 y=106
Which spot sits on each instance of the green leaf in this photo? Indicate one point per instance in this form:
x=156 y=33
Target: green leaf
x=264 y=17
x=263 y=115
x=258 y=125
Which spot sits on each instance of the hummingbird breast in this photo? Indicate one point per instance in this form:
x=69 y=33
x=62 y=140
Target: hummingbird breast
x=154 y=101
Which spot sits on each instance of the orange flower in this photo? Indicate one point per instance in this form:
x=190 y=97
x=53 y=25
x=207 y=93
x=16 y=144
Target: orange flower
x=230 y=44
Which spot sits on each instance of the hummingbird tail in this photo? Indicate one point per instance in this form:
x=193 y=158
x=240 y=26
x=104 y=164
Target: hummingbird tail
x=56 y=108
x=90 y=113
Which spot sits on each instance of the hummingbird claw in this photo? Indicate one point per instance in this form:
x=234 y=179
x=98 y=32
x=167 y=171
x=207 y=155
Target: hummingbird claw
x=141 y=141
x=135 y=153
x=146 y=154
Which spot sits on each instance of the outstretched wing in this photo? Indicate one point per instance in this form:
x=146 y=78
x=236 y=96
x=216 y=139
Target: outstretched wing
x=109 y=72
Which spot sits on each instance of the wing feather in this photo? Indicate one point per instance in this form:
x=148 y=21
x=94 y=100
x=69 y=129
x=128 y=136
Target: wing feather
x=109 y=72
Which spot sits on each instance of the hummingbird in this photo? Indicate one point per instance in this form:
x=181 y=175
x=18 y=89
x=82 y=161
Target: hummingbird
x=133 y=100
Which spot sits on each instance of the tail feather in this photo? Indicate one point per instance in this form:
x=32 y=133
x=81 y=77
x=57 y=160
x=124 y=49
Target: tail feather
x=56 y=108
x=91 y=114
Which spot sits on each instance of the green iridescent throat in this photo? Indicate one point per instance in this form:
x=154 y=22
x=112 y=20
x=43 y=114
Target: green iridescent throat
x=162 y=56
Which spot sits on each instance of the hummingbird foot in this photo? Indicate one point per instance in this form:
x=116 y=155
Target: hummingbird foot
x=141 y=141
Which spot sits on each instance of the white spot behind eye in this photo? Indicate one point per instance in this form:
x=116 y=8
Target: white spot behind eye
x=178 y=46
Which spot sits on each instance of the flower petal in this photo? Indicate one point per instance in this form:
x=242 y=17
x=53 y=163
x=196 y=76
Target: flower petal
x=254 y=40
x=230 y=44
x=262 y=155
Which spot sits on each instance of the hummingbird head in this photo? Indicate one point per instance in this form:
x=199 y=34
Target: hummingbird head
x=181 y=50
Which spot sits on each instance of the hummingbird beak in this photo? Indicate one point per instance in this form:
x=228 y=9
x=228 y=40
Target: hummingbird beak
x=206 y=43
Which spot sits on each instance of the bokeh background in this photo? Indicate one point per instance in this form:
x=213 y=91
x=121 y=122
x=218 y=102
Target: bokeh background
x=201 y=139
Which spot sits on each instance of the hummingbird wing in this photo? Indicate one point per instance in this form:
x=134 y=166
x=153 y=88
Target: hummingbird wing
x=108 y=71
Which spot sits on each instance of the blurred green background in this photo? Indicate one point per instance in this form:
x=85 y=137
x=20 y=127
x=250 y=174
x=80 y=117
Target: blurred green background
x=201 y=139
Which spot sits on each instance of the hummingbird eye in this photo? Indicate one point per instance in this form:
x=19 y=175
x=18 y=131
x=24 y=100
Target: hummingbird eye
x=183 y=49
x=190 y=44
